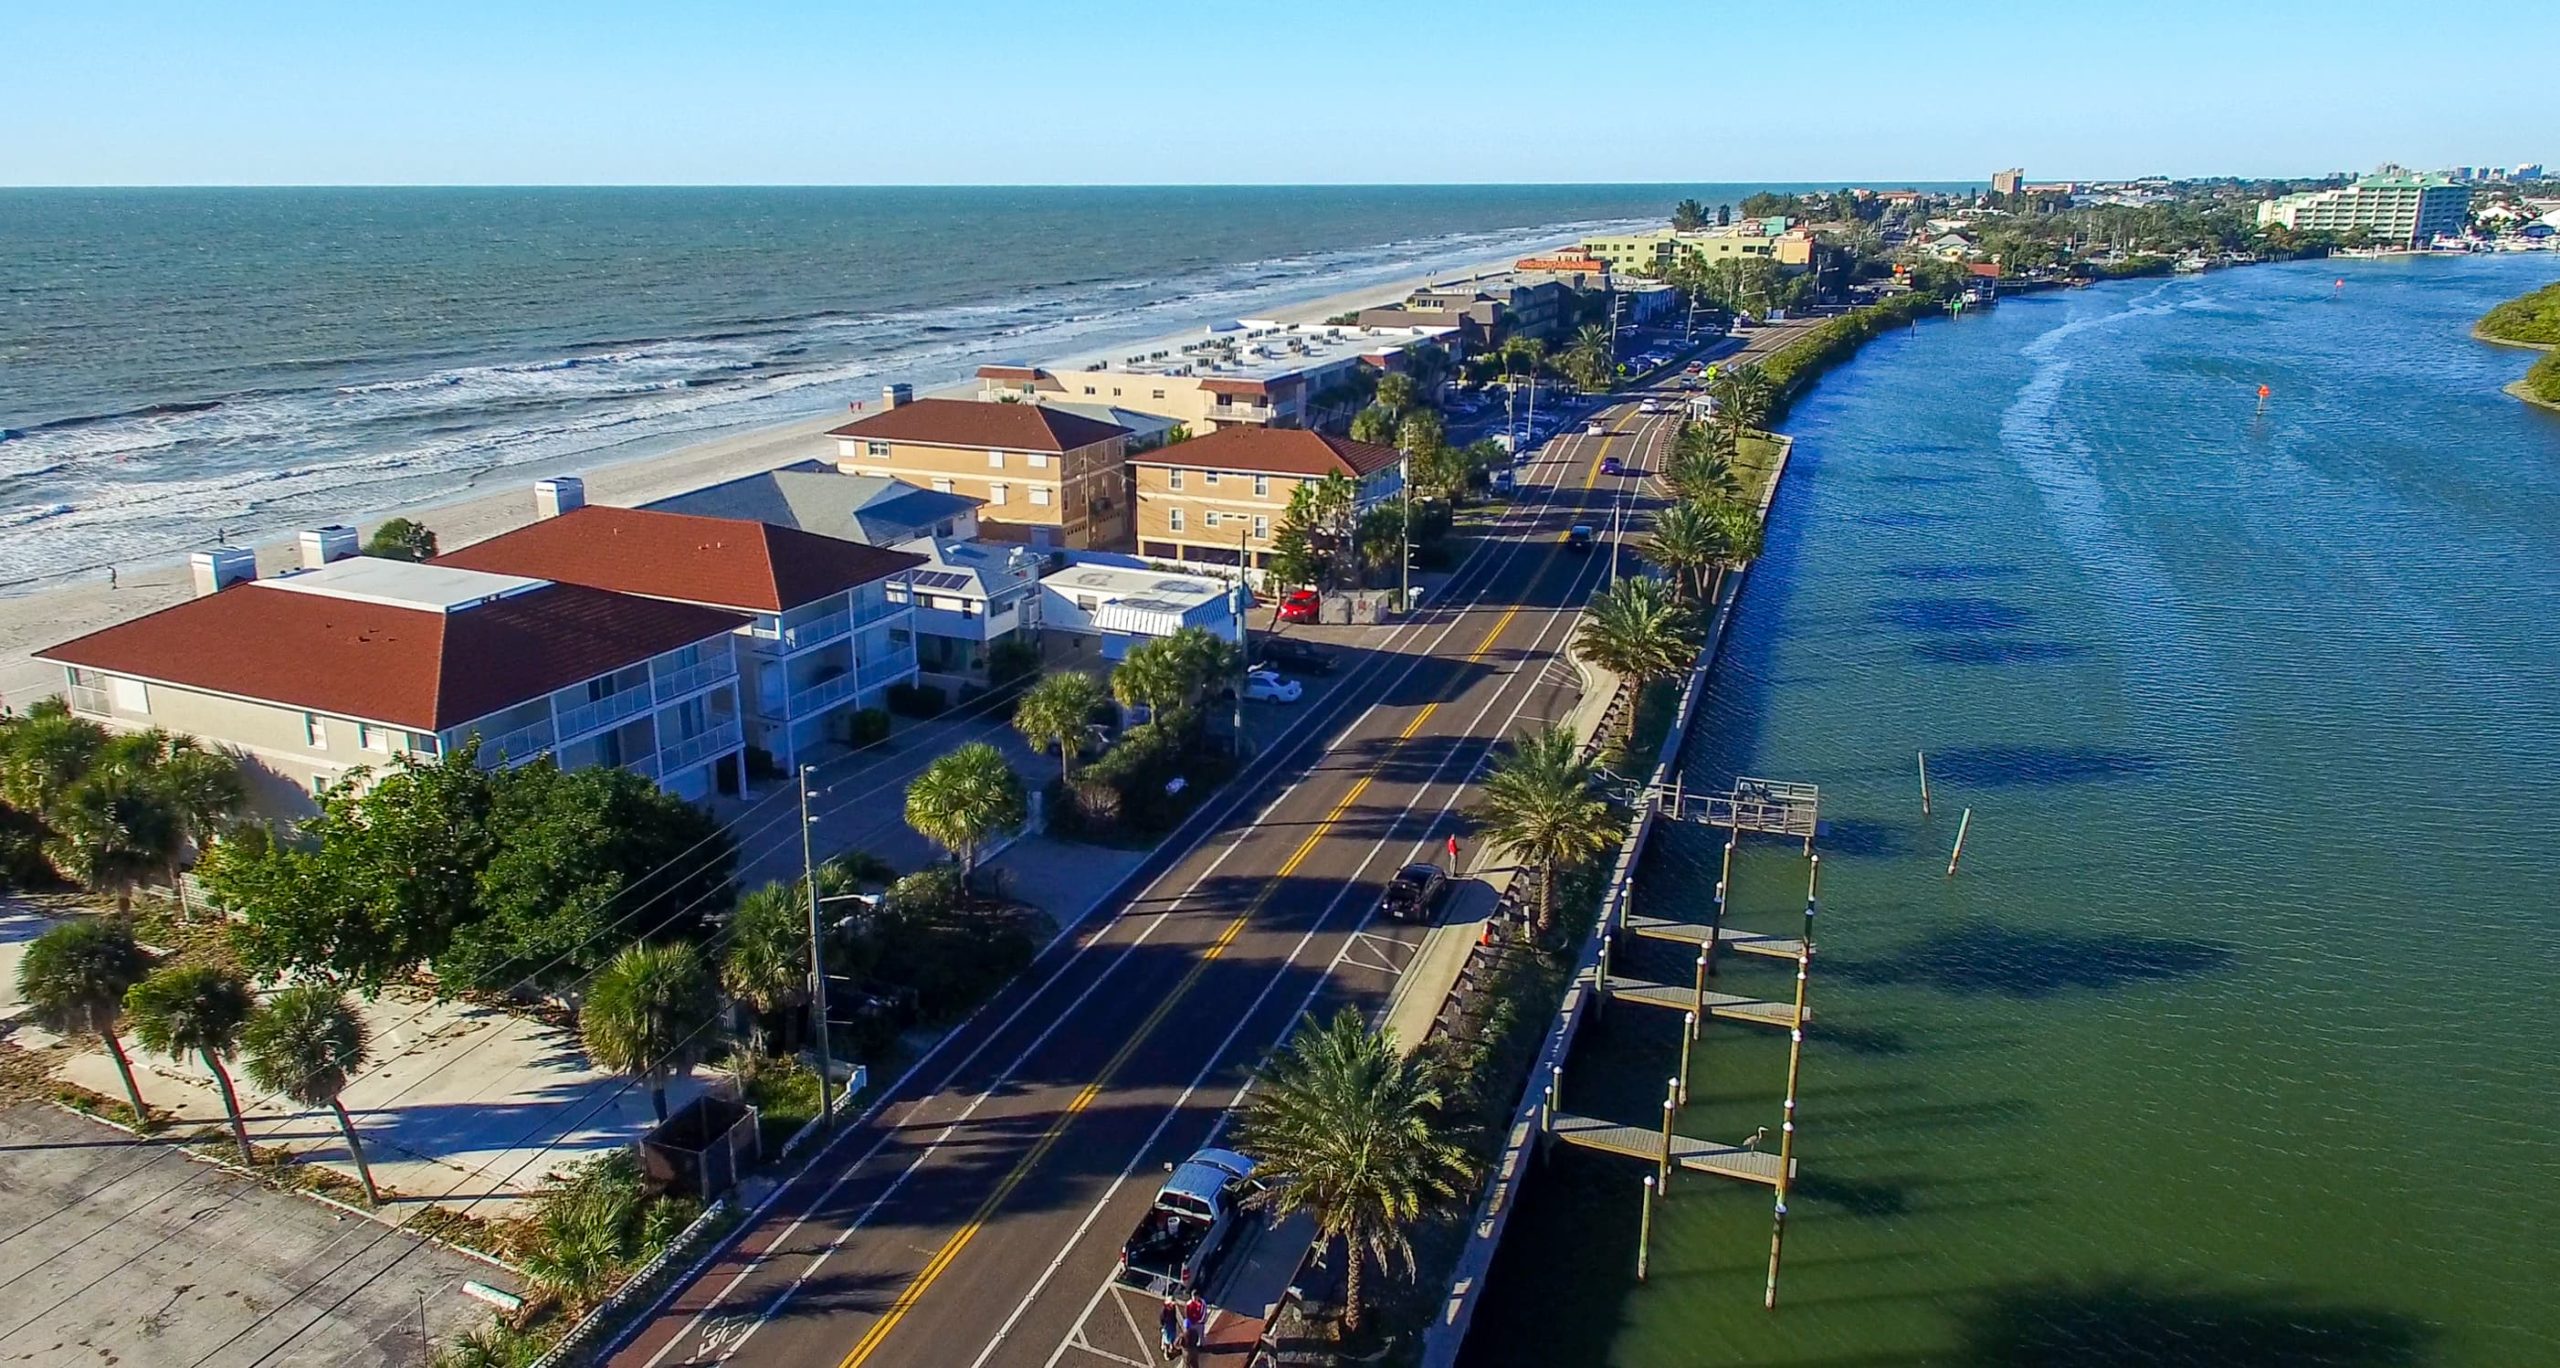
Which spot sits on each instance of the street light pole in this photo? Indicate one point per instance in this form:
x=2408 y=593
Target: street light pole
x=1404 y=563
x=817 y=960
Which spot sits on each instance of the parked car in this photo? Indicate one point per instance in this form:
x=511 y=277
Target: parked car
x=1301 y=605
x=1196 y=1215
x=1611 y=465
x=1578 y=537
x=1415 y=893
x=1297 y=655
x=1262 y=686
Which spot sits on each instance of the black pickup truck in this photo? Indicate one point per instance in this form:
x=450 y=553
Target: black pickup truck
x=1196 y=1215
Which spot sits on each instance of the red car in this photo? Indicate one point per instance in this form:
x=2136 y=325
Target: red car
x=1300 y=606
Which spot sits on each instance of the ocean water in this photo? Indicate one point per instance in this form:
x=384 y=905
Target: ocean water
x=177 y=361
x=2233 y=1042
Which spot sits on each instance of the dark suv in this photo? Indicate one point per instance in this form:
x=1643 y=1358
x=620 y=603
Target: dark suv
x=1296 y=655
x=1415 y=893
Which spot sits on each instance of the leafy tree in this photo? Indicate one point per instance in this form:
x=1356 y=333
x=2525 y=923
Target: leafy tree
x=1056 y=713
x=206 y=793
x=402 y=539
x=1344 y=1127
x=1688 y=216
x=305 y=1043
x=1445 y=472
x=74 y=979
x=1396 y=394
x=374 y=885
x=1382 y=539
x=965 y=799
x=1319 y=526
x=1375 y=424
x=579 y=863
x=196 y=1009
x=1637 y=630
x=651 y=1015
x=2532 y=318
x=1538 y=803
x=1737 y=529
x=1421 y=433
x=766 y=964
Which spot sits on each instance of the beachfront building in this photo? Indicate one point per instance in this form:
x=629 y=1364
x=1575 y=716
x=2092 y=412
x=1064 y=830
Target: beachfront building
x=1482 y=311
x=1214 y=499
x=820 y=634
x=1255 y=372
x=346 y=665
x=814 y=496
x=1042 y=475
x=1107 y=604
x=2394 y=207
x=2008 y=182
x=1768 y=239
x=968 y=598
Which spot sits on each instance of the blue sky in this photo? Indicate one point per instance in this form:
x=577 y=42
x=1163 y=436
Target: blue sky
x=780 y=92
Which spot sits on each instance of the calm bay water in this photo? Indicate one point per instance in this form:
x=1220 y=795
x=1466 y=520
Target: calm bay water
x=173 y=361
x=2234 y=1042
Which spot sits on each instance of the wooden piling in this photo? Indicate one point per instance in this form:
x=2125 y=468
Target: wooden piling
x=1600 y=983
x=1812 y=897
x=1961 y=828
x=1698 y=1009
x=1669 y=1110
x=1787 y=1127
x=1924 y=782
x=1644 y=1228
x=1690 y=1033
x=1724 y=890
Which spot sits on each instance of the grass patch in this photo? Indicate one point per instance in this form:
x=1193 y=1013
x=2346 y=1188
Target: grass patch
x=785 y=1095
x=1656 y=709
x=1755 y=460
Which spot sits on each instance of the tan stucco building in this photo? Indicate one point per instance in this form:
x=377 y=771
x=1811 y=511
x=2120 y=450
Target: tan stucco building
x=1046 y=476
x=1208 y=500
x=1751 y=239
x=1258 y=372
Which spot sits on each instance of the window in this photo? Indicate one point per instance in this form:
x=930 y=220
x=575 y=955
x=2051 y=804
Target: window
x=1261 y=527
x=129 y=695
x=1087 y=603
x=1209 y=519
x=373 y=738
x=941 y=486
x=315 y=733
x=1115 y=391
x=1209 y=478
x=995 y=460
x=1040 y=495
x=1173 y=480
x=1262 y=486
x=1088 y=389
x=1173 y=520
x=879 y=449
x=1039 y=459
x=1159 y=394
x=995 y=492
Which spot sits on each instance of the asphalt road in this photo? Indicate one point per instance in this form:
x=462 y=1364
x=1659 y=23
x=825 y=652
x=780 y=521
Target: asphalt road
x=975 y=1214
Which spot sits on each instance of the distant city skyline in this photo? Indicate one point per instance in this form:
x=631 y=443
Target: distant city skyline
x=149 y=92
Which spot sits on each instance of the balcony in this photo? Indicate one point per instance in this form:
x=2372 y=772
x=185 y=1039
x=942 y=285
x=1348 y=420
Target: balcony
x=524 y=743
x=694 y=678
x=604 y=712
x=685 y=754
x=824 y=694
x=817 y=631
x=868 y=611
x=1241 y=413
x=889 y=667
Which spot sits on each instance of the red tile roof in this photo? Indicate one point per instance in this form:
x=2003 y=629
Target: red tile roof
x=973 y=423
x=726 y=562
x=378 y=662
x=1274 y=451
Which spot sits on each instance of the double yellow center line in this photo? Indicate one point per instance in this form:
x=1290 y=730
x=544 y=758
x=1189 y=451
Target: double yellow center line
x=942 y=1258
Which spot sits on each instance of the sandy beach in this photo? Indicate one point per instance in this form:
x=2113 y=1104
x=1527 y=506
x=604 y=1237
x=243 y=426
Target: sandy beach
x=42 y=617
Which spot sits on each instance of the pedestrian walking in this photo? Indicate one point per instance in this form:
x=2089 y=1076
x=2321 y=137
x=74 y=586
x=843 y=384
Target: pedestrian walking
x=1195 y=1328
x=1453 y=852
x=1169 y=1330
x=111 y=578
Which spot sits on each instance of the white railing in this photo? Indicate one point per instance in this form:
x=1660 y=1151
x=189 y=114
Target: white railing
x=1241 y=413
x=518 y=746
x=889 y=668
x=824 y=694
x=694 y=678
x=817 y=631
x=868 y=611
x=685 y=754
x=603 y=712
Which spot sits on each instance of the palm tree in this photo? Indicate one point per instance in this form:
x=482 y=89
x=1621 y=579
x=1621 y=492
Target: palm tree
x=650 y=1015
x=305 y=1043
x=1055 y=713
x=1637 y=630
x=766 y=967
x=205 y=793
x=113 y=833
x=43 y=754
x=75 y=978
x=1742 y=396
x=198 y=1009
x=1395 y=394
x=1150 y=678
x=966 y=798
x=1538 y=803
x=1738 y=533
x=1685 y=543
x=1343 y=1126
x=582 y=1239
x=1688 y=216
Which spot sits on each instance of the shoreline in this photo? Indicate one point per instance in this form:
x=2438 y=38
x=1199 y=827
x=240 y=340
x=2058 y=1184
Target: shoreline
x=42 y=613
x=2496 y=341
x=2516 y=389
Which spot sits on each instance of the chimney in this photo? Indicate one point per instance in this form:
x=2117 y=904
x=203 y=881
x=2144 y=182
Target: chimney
x=222 y=567
x=321 y=545
x=559 y=494
x=895 y=395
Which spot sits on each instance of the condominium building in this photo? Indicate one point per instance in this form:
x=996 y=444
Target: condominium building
x=313 y=675
x=2007 y=182
x=1214 y=499
x=1043 y=475
x=1255 y=372
x=1769 y=239
x=814 y=496
x=1481 y=311
x=825 y=627
x=2397 y=207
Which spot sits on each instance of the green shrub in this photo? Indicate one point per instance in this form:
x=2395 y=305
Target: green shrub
x=918 y=700
x=867 y=726
x=22 y=861
x=1012 y=659
x=2543 y=381
x=2531 y=318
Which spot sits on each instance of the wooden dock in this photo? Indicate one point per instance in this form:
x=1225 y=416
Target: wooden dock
x=1774 y=807
x=1695 y=1155
x=1680 y=998
x=1727 y=938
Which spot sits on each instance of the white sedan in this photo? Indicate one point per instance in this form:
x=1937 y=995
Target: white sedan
x=1262 y=686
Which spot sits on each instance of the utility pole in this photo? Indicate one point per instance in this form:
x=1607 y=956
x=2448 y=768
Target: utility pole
x=1244 y=636
x=817 y=956
x=1404 y=563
